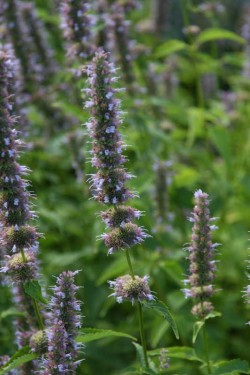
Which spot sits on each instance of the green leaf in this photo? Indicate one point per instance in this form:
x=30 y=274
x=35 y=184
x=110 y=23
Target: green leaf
x=18 y=362
x=169 y=47
x=212 y=34
x=196 y=329
x=222 y=140
x=21 y=356
x=10 y=312
x=33 y=289
x=92 y=334
x=234 y=367
x=181 y=352
x=163 y=310
x=140 y=354
x=213 y=314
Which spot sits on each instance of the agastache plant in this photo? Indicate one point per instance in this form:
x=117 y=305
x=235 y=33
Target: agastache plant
x=37 y=32
x=77 y=26
x=65 y=322
x=18 y=239
x=201 y=256
x=109 y=183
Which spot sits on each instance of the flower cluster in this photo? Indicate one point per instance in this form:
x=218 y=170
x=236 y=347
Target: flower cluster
x=201 y=257
x=164 y=360
x=65 y=322
x=77 y=25
x=109 y=183
x=18 y=239
x=37 y=32
x=24 y=46
x=127 y=288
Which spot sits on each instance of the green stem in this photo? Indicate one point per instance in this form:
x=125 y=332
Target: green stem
x=204 y=334
x=38 y=315
x=35 y=304
x=142 y=334
x=141 y=327
x=130 y=264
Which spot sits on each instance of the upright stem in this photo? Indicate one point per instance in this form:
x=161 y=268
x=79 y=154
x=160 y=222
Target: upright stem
x=204 y=334
x=38 y=315
x=142 y=334
x=35 y=304
x=141 y=326
x=130 y=264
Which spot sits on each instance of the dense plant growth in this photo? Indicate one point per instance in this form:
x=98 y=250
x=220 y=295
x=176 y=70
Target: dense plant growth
x=132 y=121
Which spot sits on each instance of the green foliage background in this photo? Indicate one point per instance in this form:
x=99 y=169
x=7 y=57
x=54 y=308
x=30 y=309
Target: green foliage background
x=208 y=144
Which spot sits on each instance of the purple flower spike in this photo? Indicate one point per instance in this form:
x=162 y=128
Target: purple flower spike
x=57 y=358
x=127 y=288
x=109 y=183
x=77 y=24
x=201 y=257
x=66 y=309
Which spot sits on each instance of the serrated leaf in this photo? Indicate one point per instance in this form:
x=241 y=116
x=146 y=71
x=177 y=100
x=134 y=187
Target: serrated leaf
x=196 y=329
x=33 y=289
x=163 y=310
x=234 y=367
x=92 y=334
x=181 y=352
x=212 y=34
x=169 y=47
x=18 y=362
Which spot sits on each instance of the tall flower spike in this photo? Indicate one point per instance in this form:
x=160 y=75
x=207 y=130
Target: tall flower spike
x=22 y=42
x=18 y=239
x=66 y=321
x=201 y=257
x=77 y=24
x=38 y=34
x=109 y=183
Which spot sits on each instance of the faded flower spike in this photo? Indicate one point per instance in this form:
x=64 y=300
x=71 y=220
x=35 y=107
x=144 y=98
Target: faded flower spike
x=127 y=288
x=77 y=24
x=109 y=183
x=65 y=315
x=201 y=257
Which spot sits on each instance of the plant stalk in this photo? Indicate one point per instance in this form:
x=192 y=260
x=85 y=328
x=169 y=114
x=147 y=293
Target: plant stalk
x=141 y=326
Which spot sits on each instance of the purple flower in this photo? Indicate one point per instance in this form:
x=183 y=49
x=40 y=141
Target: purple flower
x=18 y=238
x=109 y=183
x=164 y=360
x=56 y=361
x=77 y=25
x=65 y=308
x=201 y=257
x=127 y=288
